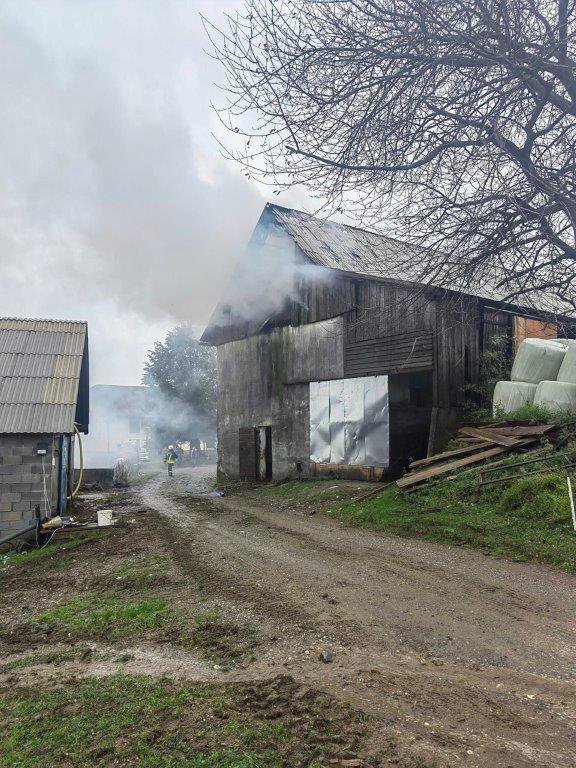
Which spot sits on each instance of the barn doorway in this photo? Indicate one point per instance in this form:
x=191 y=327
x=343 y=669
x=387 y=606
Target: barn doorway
x=255 y=453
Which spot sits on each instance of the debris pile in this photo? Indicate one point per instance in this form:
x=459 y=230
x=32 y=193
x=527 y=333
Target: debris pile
x=536 y=443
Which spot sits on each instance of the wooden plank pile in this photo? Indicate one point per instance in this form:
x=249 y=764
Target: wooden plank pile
x=479 y=444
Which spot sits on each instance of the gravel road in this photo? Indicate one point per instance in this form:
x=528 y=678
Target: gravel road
x=473 y=655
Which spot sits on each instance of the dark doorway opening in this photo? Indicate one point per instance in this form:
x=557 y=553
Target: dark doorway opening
x=255 y=453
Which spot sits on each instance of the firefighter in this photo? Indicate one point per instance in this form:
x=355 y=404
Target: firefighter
x=170 y=459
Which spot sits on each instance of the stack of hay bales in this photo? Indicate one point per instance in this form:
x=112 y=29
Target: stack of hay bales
x=543 y=374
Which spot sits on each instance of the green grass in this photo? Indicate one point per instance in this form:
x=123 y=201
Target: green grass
x=113 y=616
x=136 y=573
x=125 y=720
x=51 y=551
x=53 y=657
x=526 y=520
x=108 y=617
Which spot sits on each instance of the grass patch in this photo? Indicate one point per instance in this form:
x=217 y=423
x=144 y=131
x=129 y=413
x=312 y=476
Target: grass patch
x=111 y=617
x=125 y=720
x=54 y=657
x=526 y=520
x=51 y=551
x=137 y=573
x=312 y=492
x=107 y=617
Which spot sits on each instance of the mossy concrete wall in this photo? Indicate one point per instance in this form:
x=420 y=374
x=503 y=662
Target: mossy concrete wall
x=264 y=381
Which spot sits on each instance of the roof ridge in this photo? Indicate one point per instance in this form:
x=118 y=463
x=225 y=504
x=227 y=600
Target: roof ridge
x=342 y=224
x=42 y=320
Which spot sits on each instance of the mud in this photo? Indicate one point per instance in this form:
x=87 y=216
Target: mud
x=466 y=659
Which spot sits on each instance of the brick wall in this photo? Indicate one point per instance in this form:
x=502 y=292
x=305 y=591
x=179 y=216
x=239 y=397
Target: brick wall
x=21 y=483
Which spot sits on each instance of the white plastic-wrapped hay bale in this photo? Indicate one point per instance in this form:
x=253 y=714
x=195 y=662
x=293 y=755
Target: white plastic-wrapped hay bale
x=511 y=395
x=538 y=360
x=556 y=396
x=567 y=372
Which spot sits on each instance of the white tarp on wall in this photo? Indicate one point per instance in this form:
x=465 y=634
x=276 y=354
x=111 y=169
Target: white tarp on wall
x=349 y=421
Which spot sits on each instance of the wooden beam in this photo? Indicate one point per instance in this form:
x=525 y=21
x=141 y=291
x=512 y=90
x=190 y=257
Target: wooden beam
x=491 y=436
x=420 y=477
x=435 y=458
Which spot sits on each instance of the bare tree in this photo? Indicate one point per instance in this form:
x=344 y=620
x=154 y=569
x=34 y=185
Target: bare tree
x=450 y=123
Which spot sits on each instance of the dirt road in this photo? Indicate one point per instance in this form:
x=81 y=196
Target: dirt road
x=468 y=658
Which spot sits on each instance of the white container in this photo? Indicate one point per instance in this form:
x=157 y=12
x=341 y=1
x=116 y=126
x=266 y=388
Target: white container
x=567 y=372
x=556 y=396
x=104 y=517
x=511 y=395
x=538 y=360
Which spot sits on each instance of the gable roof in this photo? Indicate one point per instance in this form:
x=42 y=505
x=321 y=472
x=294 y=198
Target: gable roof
x=343 y=247
x=366 y=254
x=43 y=375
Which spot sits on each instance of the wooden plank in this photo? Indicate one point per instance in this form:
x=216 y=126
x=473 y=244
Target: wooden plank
x=419 y=477
x=490 y=436
x=438 y=457
x=536 y=451
x=527 y=431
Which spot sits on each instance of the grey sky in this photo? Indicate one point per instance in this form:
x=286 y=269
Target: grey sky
x=115 y=205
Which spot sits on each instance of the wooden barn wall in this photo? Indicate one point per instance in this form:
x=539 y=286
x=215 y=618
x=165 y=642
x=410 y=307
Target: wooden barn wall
x=398 y=353
x=322 y=295
x=384 y=309
x=457 y=349
x=253 y=392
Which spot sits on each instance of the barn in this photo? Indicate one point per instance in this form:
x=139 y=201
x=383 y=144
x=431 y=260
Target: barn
x=44 y=388
x=329 y=363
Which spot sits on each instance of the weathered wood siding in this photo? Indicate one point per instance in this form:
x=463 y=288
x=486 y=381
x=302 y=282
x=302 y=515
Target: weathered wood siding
x=398 y=353
x=264 y=382
x=457 y=340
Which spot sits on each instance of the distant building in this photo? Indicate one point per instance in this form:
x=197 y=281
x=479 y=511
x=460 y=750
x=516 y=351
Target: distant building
x=44 y=399
x=119 y=427
x=330 y=362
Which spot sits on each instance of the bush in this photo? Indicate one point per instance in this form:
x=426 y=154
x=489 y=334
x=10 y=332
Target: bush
x=543 y=497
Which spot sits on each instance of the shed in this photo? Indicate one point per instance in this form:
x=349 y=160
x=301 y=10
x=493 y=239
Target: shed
x=332 y=360
x=44 y=402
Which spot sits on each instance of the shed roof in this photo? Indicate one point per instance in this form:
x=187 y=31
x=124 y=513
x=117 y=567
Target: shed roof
x=42 y=363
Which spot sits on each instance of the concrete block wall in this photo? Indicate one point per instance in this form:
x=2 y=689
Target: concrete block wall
x=21 y=479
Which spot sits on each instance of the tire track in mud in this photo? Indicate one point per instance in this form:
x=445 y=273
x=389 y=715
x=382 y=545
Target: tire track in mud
x=465 y=654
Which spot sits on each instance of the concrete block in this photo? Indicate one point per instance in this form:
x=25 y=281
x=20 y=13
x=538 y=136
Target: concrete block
x=9 y=497
x=5 y=506
x=21 y=506
x=11 y=459
x=12 y=516
x=34 y=496
x=17 y=486
x=26 y=449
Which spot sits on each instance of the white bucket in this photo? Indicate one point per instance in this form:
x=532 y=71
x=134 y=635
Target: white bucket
x=104 y=517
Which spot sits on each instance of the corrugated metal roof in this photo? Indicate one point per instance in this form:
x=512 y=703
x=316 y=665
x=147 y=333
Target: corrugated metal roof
x=40 y=365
